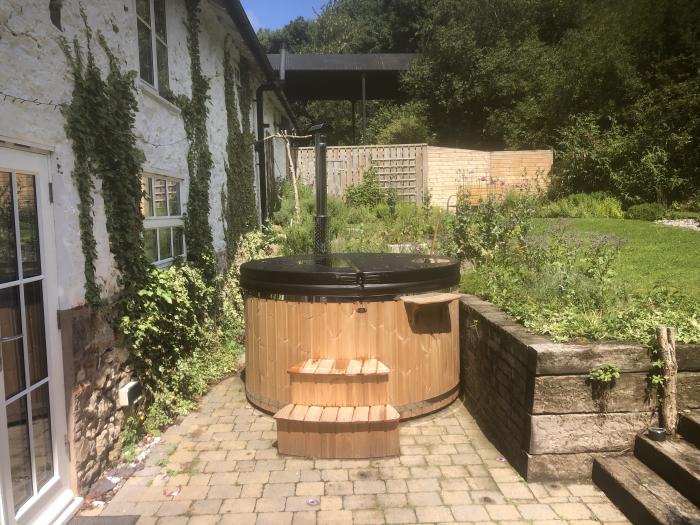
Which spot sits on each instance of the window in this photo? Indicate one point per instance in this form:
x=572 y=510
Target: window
x=153 y=43
x=163 y=230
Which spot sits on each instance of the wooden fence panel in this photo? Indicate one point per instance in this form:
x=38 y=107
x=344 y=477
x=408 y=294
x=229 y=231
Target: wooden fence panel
x=414 y=169
x=398 y=166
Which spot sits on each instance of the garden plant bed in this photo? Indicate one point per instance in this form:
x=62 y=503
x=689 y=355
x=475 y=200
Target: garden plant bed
x=532 y=397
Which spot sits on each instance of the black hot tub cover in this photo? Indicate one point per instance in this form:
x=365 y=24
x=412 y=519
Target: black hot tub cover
x=350 y=274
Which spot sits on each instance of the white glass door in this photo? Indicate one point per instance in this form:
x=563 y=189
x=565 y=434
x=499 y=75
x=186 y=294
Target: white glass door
x=32 y=414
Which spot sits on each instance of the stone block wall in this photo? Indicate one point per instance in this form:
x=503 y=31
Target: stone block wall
x=531 y=396
x=95 y=368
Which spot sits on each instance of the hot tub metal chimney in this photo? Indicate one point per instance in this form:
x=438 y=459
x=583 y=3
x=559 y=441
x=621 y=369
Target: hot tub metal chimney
x=321 y=220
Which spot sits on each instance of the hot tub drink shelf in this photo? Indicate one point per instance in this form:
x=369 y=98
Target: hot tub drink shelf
x=342 y=346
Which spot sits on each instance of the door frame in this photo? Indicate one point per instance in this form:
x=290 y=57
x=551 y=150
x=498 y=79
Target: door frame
x=56 y=496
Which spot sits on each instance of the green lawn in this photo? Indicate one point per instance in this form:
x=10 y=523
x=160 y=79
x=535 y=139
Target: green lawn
x=652 y=255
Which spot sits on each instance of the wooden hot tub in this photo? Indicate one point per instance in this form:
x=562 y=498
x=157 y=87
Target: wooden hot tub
x=338 y=331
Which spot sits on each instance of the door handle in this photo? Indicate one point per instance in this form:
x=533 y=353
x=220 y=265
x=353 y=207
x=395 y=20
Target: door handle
x=10 y=338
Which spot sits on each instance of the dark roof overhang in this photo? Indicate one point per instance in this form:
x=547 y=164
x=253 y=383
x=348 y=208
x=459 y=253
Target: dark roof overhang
x=339 y=76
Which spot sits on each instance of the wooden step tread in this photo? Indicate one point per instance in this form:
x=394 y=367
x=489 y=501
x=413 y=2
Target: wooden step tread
x=340 y=367
x=429 y=298
x=689 y=426
x=321 y=415
x=676 y=460
x=643 y=496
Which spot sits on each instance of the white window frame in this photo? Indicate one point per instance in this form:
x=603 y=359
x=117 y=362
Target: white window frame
x=165 y=221
x=154 y=42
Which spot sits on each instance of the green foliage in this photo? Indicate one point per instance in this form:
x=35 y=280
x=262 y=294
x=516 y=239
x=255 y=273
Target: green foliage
x=177 y=349
x=100 y=122
x=604 y=374
x=356 y=226
x=492 y=227
x=400 y=124
x=646 y=212
x=200 y=243
x=583 y=205
x=238 y=200
x=253 y=245
x=369 y=192
x=565 y=283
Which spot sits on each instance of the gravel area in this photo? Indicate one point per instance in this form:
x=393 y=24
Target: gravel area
x=690 y=224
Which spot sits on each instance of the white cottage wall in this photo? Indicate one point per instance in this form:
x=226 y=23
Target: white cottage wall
x=33 y=66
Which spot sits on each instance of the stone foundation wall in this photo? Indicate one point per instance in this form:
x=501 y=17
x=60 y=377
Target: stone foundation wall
x=94 y=370
x=531 y=397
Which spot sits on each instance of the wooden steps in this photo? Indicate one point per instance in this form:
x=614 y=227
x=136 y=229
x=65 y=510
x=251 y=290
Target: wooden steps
x=660 y=483
x=689 y=427
x=339 y=383
x=338 y=432
x=641 y=494
x=676 y=461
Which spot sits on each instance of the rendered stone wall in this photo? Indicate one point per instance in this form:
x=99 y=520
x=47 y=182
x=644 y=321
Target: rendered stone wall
x=531 y=397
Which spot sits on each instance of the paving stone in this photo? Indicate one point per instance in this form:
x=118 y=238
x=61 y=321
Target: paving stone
x=572 y=511
x=448 y=472
x=400 y=515
x=438 y=514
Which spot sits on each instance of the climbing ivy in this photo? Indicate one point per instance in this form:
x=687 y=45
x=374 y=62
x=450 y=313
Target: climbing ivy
x=200 y=243
x=100 y=123
x=238 y=199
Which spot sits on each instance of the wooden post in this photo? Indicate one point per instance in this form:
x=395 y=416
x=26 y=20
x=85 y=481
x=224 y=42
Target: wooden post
x=666 y=339
x=293 y=171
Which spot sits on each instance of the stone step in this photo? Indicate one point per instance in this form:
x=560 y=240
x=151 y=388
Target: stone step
x=676 y=460
x=336 y=382
x=338 y=432
x=689 y=427
x=641 y=494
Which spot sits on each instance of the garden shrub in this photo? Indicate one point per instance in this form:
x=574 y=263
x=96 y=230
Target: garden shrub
x=491 y=227
x=176 y=346
x=369 y=192
x=598 y=205
x=682 y=214
x=646 y=212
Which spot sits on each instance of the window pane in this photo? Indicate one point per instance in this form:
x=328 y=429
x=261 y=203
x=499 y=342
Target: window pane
x=174 y=198
x=20 y=464
x=163 y=77
x=12 y=350
x=8 y=246
x=159 y=197
x=159 y=12
x=164 y=242
x=143 y=10
x=150 y=245
x=147 y=202
x=36 y=342
x=178 y=241
x=145 y=53
x=41 y=430
x=28 y=225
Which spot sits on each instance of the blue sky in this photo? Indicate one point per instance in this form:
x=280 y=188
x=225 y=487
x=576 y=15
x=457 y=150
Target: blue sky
x=274 y=14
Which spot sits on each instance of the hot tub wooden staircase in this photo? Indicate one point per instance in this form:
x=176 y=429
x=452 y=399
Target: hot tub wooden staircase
x=339 y=410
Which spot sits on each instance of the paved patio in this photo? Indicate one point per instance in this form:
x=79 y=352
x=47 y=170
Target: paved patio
x=223 y=460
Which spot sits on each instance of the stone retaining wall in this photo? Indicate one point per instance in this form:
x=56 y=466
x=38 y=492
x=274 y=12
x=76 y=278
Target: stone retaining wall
x=531 y=397
x=94 y=371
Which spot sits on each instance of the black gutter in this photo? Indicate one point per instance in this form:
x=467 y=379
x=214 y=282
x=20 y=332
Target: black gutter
x=239 y=17
x=260 y=147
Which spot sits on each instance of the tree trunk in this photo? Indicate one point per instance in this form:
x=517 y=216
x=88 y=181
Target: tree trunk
x=666 y=339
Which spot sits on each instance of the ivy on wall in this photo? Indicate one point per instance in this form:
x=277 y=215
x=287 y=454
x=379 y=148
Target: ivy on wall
x=100 y=122
x=200 y=243
x=238 y=199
